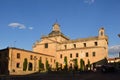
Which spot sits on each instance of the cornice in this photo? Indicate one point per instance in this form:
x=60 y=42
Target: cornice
x=81 y=48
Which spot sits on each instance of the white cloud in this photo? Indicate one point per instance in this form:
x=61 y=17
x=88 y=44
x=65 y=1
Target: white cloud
x=17 y=25
x=89 y=1
x=114 y=50
x=30 y=28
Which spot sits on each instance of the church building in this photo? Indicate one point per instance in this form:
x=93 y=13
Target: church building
x=55 y=48
x=91 y=49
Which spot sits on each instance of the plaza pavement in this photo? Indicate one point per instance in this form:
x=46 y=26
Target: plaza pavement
x=66 y=76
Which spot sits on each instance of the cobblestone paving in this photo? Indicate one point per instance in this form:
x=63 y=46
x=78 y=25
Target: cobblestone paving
x=66 y=76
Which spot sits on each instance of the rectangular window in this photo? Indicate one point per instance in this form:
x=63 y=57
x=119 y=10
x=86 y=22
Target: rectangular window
x=84 y=44
x=17 y=65
x=76 y=54
x=46 y=45
x=87 y=54
x=46 y=58
x=60 y=65
x=96 y=43
x=40 y=58
x=51 y=60
x=65 y=46
x=60 y=55
x=93 y=54
x=18 y=55
x=70 y=55
x=74 y=45
x=31 y=57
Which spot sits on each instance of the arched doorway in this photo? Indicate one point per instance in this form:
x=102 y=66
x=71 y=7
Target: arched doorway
x=70 y=67
x=30 y=66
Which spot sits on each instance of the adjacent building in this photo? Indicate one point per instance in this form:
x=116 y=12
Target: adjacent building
x=55 y=48
x=115 y=62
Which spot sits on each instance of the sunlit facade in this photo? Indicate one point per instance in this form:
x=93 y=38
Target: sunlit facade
x=54 y=48
x=12 y=61
x=94 y=49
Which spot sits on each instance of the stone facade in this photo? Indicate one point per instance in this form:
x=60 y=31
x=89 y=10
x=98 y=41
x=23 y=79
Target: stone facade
x=57 y=44
x=12 y=60
x=55 y=47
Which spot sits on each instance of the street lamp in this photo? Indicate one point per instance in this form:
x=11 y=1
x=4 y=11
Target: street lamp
x=35 y=58
x=119 y=35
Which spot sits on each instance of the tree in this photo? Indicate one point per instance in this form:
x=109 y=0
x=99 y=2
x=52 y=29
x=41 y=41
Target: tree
x=82 y=64
x=75 y=64
x=65 y=62
x=47 y=65
x=56 y=65
x=25 y=64
x=88 y=65
x=41 y=65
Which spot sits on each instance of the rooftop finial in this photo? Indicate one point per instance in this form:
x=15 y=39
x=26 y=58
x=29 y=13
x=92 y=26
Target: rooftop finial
x=56 y=21
x=56 y=26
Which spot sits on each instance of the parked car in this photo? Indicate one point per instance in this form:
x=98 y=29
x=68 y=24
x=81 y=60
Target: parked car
x=107 y=68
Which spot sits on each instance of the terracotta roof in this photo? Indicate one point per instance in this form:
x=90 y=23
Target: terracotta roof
x=27 y=51
x=109 y=59
x=85 y=39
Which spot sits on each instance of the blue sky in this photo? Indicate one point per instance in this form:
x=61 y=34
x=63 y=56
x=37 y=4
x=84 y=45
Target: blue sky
x=22 y=22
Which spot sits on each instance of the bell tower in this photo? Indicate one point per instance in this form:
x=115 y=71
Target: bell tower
x=101 y=32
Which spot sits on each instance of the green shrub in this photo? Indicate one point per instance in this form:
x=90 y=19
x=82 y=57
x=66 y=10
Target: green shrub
x=25 y=64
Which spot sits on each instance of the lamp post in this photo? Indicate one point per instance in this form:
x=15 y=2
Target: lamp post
x=119 y=37
x=14 y=43
x=35 y=58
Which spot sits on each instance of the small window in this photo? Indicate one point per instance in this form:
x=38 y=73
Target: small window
x=51 y=60
x=84 y=44
x=93 y=54
x=61 y=66
x=31 y=57
x=17 y=65
x=87 y=54
x=35 y=58
x=60 y=55
x=96 y=43
x=46 y=45
x=70 y=65
x=76 y=54
x=65 y=46
x=74 y=45
x=18 y=55
x=70 y=55
x=101 y=33
x=40 y=58
x=54 y=61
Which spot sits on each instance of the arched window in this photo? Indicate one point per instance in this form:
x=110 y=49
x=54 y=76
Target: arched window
x=101 y=33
